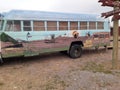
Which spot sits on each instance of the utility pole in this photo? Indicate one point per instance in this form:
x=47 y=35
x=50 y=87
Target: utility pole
x=115 y=13
x=115 y=41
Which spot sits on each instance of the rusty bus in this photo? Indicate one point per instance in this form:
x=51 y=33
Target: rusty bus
x=30 y=33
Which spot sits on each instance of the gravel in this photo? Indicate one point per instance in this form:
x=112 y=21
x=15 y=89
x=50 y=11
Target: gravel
x=56 y=71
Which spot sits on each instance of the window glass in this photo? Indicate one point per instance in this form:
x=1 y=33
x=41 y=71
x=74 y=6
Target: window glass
x=92 y=25
x=13 y=26
x=38 y=26
x=73 y=25
x=9 y=26
x=63 y=25
x=26 y=26
x=100 y=25
x=83 y=25
x=17 y=26
x=1 y=24
x=51 y=25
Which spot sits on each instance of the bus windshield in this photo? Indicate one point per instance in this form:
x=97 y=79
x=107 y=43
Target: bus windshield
x=1 y=24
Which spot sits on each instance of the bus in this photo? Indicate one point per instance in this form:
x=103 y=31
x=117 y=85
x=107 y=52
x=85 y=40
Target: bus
x=30 y=33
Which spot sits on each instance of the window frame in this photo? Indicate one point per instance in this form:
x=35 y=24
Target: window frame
x=11 y=27
x=63 y=27
x=99 y=25
x=85 y=27
x=92 y=25
x=51 y=27
x=29 y=27
x=73 y=26
x=40 y=25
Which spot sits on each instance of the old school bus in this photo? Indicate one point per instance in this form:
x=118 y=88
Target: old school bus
x=30 y=33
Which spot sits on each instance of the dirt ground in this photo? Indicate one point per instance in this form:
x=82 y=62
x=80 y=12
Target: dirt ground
x=56 y=71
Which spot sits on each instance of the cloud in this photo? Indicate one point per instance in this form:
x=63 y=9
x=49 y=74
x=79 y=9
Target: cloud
x=46 y=5
x=74 y=6
x=80 y=6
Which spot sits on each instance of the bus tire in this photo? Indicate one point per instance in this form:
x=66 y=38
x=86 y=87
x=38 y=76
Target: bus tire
x=75 y=51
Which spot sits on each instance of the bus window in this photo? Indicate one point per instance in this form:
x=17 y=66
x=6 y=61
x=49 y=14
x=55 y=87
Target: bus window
x=83 y=25
x=1 y=24
x=73 y=25
x=17 y=26
x=38 y=26
x=92 y=25
x=9 y=26
x=100 y=25
x=63 y=25
x=51 y=25
x=26 y=26
x=13 y=26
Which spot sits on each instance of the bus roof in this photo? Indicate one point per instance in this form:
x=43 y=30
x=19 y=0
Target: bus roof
x=49 y=16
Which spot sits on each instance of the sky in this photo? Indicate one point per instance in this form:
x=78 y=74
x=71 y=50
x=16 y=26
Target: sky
x=71 y=6
x=67 y=6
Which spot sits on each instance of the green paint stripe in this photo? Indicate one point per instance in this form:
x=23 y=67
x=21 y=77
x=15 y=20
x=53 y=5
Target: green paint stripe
x=34 y=53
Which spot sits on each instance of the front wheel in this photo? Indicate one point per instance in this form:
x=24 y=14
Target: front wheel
x=75 y=51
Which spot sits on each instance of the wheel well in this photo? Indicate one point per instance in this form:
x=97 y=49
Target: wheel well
x=78 y=43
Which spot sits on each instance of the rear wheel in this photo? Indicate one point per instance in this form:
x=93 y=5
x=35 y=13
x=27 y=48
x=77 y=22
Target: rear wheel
x=75 y=51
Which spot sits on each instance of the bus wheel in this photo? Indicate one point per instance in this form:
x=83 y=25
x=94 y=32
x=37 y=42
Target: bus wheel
x=75 y=51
